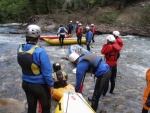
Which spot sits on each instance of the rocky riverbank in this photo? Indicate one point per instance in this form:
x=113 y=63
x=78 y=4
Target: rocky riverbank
x=130 y=81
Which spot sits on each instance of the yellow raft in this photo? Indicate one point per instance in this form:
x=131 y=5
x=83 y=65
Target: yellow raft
x=58 y=93
x=67 y=41
x=72 y=102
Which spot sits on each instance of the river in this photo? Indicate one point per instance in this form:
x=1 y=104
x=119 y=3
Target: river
x=134 y=61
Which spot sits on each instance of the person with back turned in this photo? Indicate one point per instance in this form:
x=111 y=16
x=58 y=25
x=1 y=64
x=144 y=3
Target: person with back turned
x=110 y=51
x=98 y=67
x=62 y=31
x=36 y=71
x=60 y=77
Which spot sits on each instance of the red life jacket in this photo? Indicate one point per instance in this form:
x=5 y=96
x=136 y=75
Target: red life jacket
x=111 y=53
x=93 y=30
x=80 y=30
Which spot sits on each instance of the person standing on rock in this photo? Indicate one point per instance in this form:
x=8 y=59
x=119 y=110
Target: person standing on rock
x=110 y=51
x=88 y=37
x=146 y=94
x=93 y=32
x=98 y=67
x=62 y=31
x=36 y=71
x=79 y=34
x=70 y=27
x=119 y=41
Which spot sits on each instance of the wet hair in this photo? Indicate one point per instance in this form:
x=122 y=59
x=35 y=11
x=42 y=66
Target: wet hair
x=31 y=39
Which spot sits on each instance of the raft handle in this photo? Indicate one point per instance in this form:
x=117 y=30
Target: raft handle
x=59 y=106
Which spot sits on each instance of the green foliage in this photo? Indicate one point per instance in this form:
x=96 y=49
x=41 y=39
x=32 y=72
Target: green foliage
x=145 y=17
x=108 y=17
x=13 y=10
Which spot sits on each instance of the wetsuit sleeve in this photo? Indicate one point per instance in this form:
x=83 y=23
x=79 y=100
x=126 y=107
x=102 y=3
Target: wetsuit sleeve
x=82 y=67
x=46 y=68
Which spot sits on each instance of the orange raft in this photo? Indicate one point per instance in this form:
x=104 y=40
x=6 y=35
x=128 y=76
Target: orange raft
x=53 y=37
x=58 y=93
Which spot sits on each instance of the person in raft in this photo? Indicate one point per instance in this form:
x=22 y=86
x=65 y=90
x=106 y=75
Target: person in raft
x=146 y=94
x=60 y=77
x=98 y=67
x=36 y=71
x=62 y=31
x=110 y=51
x=119 y=41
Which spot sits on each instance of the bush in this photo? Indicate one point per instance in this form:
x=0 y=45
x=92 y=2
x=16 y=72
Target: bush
x=145 y=17
x=108 y=17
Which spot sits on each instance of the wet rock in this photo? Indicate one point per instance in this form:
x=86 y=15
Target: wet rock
x=10 y=105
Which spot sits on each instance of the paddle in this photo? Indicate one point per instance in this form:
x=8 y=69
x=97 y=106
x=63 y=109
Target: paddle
x=82 y=85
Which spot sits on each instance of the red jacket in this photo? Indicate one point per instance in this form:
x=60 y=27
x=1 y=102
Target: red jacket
x=119 y=41
x=80 y=30
x=93 y=30
x=110 y=52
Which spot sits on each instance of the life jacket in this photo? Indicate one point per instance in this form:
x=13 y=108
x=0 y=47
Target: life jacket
x=113 y=55
x=80 y=30
x=25 y=60
x=62 y=30
x=93 y=30
x=60 y=77
x=94 y=61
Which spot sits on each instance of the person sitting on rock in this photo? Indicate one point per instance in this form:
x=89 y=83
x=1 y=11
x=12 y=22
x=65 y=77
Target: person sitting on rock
x=60 y=77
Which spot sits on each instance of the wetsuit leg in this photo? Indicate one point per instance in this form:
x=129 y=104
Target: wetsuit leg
x=62 y=40
x=101 y=83
x=88 y=47
x=93 y=38
x=144 y=110
x=112 y=78
x=35 y=92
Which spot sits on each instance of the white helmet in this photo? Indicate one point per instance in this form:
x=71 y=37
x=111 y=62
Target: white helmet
x=111 y=38
x=79 y=24
x=33 y=31
x=71 y=21
x=73 y=57
x=87 y=27
x=92 y=24
x=116 y=33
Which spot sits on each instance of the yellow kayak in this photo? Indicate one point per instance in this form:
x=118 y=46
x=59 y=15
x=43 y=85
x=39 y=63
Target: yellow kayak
x=72 y=102
x=58 y=93
x=67 y=41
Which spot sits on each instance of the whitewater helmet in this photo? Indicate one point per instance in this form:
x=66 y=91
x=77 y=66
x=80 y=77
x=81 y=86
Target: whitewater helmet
x=79 y=24
x=116 y=33
x=111 y=38
x=73 y=57
x=87 y=27
x=56 y=67
x=33 y=31
x=70 y=21
x=92 y=24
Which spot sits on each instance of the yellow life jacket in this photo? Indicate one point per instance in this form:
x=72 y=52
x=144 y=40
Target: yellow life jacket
x=25 y=60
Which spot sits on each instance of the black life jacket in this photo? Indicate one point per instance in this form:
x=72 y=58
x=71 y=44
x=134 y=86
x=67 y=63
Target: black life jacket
x=62 y=30
x=26 y=62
